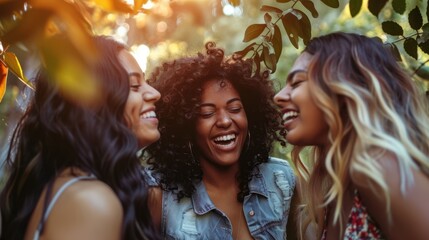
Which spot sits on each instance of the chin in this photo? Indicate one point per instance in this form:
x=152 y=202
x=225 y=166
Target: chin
x=294 y=141
x=147 y=139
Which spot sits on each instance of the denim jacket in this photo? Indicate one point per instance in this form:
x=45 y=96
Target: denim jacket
x=266 y=207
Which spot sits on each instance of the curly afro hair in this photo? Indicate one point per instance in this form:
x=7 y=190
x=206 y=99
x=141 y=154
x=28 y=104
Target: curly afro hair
x=180 y=84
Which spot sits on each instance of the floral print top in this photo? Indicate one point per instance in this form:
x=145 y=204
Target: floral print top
x=360 y=225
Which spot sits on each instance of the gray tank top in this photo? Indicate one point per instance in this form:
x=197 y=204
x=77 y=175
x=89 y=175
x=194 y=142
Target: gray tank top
x=54 y=200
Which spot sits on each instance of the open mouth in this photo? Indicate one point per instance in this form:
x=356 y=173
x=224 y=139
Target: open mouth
x=225 y=140
x=146 y=115
x=289 y=116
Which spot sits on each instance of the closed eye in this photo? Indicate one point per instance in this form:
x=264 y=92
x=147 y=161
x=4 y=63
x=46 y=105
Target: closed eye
x=296 y=83
x=235 y=109
x=206 y=114
x=135 y=87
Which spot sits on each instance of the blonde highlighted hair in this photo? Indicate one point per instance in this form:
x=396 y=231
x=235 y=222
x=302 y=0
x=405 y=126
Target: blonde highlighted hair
x=372 y=107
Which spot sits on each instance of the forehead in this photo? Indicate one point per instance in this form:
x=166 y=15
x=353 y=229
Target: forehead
x=302 y=62
x=129 y=63
x=218 y=88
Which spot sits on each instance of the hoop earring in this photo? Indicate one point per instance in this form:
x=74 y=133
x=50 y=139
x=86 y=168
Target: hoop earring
x=192 y=152
x=247 y=144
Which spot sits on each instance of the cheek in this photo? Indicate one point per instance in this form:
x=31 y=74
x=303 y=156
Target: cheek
x=132 y=108
x=242 y=121
x=202 y=129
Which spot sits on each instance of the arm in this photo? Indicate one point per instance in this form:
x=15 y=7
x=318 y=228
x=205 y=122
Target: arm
x=87 y=210
x=409 y=211
x=155 y=206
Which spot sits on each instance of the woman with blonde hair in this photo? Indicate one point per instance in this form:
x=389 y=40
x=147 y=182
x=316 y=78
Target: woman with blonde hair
x=366 y=124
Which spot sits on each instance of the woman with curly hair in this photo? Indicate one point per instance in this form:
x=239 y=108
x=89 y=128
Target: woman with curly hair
x=73 y=167
x=212 y=162
x=367 y=125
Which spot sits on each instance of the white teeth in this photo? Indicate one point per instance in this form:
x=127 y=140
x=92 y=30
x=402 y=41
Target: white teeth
x=225 y=137
x=150 y=114
x=290 y=114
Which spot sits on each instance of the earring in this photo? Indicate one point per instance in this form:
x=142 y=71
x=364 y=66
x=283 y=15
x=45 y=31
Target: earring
x=247 y=145
x=192 y=152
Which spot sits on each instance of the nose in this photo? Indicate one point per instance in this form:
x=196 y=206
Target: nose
x=150 y=94
x=283 y=95
x=223 y=120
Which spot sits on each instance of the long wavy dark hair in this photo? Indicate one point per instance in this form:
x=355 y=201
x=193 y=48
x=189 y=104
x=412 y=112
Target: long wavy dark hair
x=180 y=84
x=56 y=133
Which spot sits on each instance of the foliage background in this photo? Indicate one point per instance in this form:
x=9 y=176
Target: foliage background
x=165 y=29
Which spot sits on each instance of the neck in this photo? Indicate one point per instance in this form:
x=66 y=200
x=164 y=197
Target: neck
x=219 y=177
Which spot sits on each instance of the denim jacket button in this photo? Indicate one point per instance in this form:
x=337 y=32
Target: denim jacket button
x=252 y=213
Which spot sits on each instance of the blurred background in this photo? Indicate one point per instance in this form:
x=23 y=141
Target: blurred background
x=160 y=30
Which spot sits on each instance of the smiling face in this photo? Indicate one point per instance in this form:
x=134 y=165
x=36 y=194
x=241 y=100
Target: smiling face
x=221 y=127
x=303 y=120
x=140 y=106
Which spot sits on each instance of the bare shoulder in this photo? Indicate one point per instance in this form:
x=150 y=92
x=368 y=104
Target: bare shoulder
x=86 y=210
x=409 y=210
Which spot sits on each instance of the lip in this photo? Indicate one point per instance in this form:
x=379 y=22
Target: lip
x=289 y=123
x=147 y=110
x=154 y=120
x=225 y=133
x=225 y=148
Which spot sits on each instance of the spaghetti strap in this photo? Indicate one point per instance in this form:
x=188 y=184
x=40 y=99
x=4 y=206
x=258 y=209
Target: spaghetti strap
x=54 y=200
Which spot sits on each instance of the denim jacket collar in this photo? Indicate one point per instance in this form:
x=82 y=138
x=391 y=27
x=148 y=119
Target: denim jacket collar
x=203 y=204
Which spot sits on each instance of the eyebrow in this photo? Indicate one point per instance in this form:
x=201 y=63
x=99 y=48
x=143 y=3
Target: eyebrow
x=293 y=73
x=136 y=74
x=228 y=102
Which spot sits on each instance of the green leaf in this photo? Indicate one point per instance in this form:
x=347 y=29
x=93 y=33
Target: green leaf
x=304 y=29
x=424 y=47
x=15 y=67
x=277 y=42
x=410 y=46
x=415 y=19
x=266 y=8
x=425 y=35
x=399 y=6
x=246 y=50
x=70 y=71
x=253 y=31
x=331 y=3
x=310 y=7
x=267 y=18
x=3 y=80
x=355 y=6
x=291 y=25
x=375 y=6
x=392 y=28
x=269 y=59
x=423 y=72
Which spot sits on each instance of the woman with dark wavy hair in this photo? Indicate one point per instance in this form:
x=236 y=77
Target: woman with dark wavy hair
x=366 y=123
x=218 y=123
x=73 y=169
